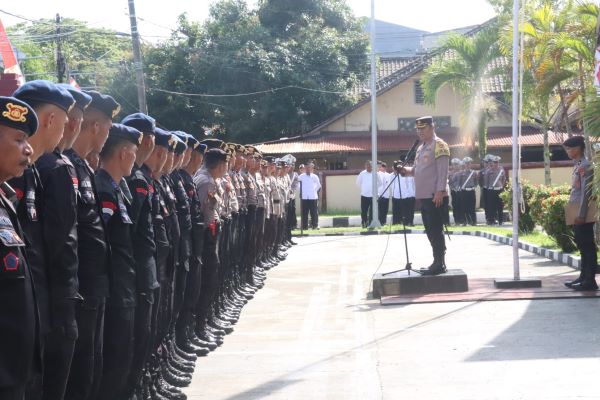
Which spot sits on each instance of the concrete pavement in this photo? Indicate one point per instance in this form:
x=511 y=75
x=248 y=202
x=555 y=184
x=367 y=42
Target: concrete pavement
x=311 y=332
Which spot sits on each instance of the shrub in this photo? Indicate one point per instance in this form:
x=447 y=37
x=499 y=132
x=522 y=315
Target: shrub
x=526 y=222
x=553 y=220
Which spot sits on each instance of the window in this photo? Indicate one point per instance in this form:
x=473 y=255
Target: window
x=418 y=92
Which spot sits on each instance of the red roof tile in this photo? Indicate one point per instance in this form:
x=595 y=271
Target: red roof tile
x=353 y=143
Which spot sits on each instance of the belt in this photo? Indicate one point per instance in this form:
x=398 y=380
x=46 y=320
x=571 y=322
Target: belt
x=276 y=201
x=497 y=189
x=469 y=189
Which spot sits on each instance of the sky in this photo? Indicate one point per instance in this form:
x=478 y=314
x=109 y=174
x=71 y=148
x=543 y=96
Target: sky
x=156 y=20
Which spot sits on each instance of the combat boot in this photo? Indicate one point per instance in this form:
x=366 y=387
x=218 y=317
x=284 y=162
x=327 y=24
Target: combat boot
x=438 y=266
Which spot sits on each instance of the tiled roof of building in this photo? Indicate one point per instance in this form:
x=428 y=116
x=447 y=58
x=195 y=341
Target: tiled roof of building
x=361 y=143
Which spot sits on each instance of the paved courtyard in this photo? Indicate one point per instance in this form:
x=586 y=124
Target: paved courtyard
x=312 y=333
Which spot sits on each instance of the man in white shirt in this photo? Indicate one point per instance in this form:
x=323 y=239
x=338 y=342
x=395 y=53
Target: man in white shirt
x=365 y=182
x=383 y=192
x=309 y=188
x=403 y=199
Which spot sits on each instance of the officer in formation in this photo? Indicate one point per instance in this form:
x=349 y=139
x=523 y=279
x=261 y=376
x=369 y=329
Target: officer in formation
x=455 y=192
x=493 y=180
x=127 y=250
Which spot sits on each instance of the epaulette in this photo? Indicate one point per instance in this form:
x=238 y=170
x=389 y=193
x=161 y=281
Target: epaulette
x=441 y=148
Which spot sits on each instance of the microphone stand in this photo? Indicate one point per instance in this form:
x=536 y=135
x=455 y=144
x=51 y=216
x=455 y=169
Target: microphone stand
x=408 y=267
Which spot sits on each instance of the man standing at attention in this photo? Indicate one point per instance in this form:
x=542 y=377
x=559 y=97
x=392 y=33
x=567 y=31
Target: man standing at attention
x=431 y=187
x=309 y=188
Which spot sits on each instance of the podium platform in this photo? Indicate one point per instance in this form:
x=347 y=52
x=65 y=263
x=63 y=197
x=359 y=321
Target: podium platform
x=401 y=283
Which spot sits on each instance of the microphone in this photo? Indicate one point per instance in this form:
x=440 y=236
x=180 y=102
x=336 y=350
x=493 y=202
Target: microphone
x=412 y=151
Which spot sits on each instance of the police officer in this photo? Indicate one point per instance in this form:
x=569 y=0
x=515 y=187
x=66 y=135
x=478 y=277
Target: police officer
x=117 y=159
x=431 y=187
x=210 y=194
x=19 y=345
x=497 y=181
x=468 y=183
x=58 y=234
x=92 y=250
x=456 y=194
x=144 y=248
x=484 y=183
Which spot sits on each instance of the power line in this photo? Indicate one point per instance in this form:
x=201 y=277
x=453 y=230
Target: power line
x=248 y=94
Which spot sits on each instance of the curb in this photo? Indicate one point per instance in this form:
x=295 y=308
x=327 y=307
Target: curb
x=558 y=256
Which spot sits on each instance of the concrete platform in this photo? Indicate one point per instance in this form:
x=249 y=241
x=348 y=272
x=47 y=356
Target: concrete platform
x=483 y=289
x=405 y=283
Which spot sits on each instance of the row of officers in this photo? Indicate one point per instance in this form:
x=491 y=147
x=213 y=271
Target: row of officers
x=463 y=180
x=126 y=251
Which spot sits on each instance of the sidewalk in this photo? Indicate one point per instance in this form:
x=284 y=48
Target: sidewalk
x=311 y=333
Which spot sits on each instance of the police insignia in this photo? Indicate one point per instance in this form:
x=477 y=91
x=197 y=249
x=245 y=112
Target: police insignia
x=441 y=149
x=15 y=112
x=11 y=262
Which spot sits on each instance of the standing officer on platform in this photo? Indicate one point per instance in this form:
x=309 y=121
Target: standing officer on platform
x=431 y=187
x=19 y=337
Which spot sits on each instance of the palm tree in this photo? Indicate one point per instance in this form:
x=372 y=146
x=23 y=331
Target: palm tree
x=465 y=63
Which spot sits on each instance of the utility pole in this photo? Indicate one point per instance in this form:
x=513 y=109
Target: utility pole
x=61 y=66
x=137 y=59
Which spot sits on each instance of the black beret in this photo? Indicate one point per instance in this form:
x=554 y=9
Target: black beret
x=574 y=141
x=140 y=121
x=180 y=145
x=269 y=159
x=215 y=154
x=104 y=103
x=201 y=148
x=45 y=92
x=17 y=114
x=82 y=100
x=214 y=144
x=163 y=138
x=120 y=131
x=424 y=121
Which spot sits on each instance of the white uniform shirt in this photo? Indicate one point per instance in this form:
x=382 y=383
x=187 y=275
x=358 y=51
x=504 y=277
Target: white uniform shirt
x=386 y=178
x=406 y=189
x=365 y=182
x=309 y=186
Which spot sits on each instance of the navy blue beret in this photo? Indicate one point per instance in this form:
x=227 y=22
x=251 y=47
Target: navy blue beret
x=194 y=144
x=44 y=92
x=104 y=103
x=201 y=148
x=82 y=100
x=140 y=121
x=180 y=144
x=119 y=131
x=17 y=114
x=163 y=138
x=214 y=144
x=215 y=154
x=184 y=137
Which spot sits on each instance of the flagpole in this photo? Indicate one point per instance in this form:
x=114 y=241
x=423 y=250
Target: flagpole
x=375 y=210
x=516 y=187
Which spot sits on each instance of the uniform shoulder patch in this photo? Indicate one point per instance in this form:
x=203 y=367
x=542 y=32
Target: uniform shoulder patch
x=441 y=148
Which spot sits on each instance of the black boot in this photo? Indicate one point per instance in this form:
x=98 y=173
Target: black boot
x=438 y=266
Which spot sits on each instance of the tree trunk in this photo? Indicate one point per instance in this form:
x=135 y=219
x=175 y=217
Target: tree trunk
x=547 y=176
x=482 y=135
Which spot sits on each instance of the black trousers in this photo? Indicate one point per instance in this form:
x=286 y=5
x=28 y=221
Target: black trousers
x=407 y=207
x=310 y=206
x=59 y=346
x=458 y=211
x=119 y=325
x=383 y=205
x=495 y=205
x=433 y=219
x=469 y=215
x=13 y=392
x=584 y=239
x=396 y=211
x=210 y=275
x=259 y=240
x=366 y=210
x=142 y=335
x=86 y=367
